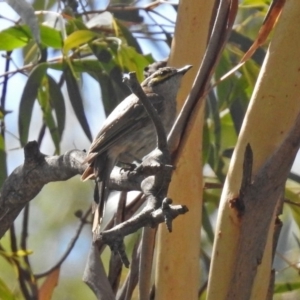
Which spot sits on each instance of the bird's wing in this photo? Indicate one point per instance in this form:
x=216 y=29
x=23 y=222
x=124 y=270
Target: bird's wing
x=129 y=115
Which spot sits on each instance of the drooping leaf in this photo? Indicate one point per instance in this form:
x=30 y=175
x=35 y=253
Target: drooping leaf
x=48 y=286
x=3 y=169
x=101 y=51
x=205 y=143
x=207 y=226
x=45 y=104
x=79 y=65
x=19 y=36
x=130 y=60
x=250 y=72
x=77 y=39
x=27 y=100
x=286 y=287
x=75 y=24
x=109 y=97
x=295 y=209
x=225 y=87
x=14 y=37
x=26 y=12
x=5 y=292
x=58 y=103
x=51 y=37
x=120 y=89
x=76 y=100
x=130 y=39
x=113 y=90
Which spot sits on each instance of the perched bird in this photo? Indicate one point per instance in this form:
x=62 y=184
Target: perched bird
x=128 y=134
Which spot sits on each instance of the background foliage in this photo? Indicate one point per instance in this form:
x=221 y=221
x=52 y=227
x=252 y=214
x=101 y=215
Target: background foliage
x=61 y=77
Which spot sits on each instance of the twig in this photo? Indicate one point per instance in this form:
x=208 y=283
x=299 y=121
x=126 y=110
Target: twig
x=138 y=91
x=292 y=202
x=27 y=180
x=148 y=217
x=125 y=293
x=219 y=35
x=22 y=273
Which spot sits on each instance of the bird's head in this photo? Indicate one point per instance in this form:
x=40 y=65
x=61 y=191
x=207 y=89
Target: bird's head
x=164 y=78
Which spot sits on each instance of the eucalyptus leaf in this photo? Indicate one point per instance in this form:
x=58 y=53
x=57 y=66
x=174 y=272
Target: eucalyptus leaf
x=14 y=37
x=79 y=65
x=5 y=292
x=45 y=104
x=51 y=37
x=26 y=12
x=78 y=38
x=130 y=60
x=206 y=223
x=130 y=39
x=3 y=169
x=286 y=287
x=76 y=100
x=58 y=103
x=28 y=98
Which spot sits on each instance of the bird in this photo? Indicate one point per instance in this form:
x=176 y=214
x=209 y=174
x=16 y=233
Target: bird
x=128 y=134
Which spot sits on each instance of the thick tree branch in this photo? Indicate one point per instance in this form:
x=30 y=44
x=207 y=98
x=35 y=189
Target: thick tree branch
x=260 y=200
x=27 y=180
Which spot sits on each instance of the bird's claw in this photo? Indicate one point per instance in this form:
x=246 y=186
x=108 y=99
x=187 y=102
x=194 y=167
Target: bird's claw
x=167 y=213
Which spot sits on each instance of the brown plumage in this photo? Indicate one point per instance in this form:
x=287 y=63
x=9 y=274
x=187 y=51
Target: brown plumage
x=128 y=133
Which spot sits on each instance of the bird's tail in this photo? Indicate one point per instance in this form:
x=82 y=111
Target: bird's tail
x=102 y=169
x=98 y=205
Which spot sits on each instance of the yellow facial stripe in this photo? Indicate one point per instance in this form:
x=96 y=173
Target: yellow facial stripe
x=161 y=77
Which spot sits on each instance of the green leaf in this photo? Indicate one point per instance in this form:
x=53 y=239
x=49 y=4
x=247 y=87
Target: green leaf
x=205 y=143
x=5 y=292
x=3 y=169
x=101 y=51
x=76 y=24
x=58 y=103
x=79 y=65
x=26 y=11
x=44 y=101
x=130 y=39
x=51 y=37
x=109 y=97
x=130 y=60
x=286 y=287
x=14 y=37
x=113 y=90
x=27 y=100
x=19 y=36
x=207 y=226
x=76 y=101
x=293 y=195
x=78 y=38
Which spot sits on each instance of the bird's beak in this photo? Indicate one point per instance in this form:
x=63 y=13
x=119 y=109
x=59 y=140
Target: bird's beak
x=184 y=69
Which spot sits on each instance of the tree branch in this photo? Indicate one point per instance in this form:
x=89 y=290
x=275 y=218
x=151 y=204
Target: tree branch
x=27 y=180
x=260 y=199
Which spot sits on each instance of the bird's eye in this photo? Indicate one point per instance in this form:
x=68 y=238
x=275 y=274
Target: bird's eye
x=164 y=72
